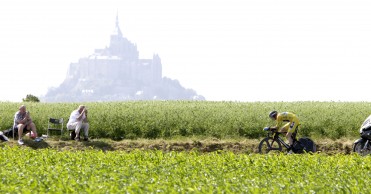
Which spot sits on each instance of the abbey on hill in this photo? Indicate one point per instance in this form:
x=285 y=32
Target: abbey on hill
x=116 y=73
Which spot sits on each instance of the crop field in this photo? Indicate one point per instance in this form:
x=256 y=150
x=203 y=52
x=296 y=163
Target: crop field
x=133 y=143
x=25 y=170
x=169 y=119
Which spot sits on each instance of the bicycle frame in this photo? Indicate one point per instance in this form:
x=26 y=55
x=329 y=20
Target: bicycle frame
x=283 y=142
x=273 y=142
x=276 y=136
x=366 y=144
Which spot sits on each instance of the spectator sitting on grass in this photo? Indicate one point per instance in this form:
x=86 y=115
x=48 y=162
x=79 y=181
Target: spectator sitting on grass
x=22 y=120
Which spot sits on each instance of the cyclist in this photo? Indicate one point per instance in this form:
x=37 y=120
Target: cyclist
x=289 y=128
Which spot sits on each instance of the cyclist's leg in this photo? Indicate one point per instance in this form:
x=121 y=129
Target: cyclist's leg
x=292 y=127
x=285 y=128
x=295 y=131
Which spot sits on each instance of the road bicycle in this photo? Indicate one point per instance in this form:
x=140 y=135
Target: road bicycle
x=274 y=143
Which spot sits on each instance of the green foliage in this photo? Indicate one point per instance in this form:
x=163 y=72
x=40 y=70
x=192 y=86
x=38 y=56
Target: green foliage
x=30 y=98
x=167 y=119
x=26 y=170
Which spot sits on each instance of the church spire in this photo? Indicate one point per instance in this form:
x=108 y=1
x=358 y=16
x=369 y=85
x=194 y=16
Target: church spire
x=117 y=30
x=117 y=19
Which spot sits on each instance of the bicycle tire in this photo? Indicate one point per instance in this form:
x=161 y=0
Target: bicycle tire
x=358 y=147
x=269 y=144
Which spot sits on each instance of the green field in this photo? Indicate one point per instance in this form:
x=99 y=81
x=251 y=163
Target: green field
x=146 y=163
x=25 y=170
x=169 y=119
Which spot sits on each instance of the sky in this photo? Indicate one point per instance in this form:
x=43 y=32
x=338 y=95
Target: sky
x=226 y=50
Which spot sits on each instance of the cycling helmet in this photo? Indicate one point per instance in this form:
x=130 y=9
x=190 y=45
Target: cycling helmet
x=273 y=114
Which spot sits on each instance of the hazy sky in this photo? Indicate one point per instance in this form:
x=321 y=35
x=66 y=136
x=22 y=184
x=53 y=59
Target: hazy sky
x=233 y=50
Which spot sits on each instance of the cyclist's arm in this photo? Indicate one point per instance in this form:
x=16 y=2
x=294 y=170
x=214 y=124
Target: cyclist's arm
x=278 y=124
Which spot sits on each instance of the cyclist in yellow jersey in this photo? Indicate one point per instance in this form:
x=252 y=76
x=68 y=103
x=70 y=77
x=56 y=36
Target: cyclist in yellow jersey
x=291 y=125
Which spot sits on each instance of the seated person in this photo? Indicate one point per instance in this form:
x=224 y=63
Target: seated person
x=22 y=120
x=79 y=120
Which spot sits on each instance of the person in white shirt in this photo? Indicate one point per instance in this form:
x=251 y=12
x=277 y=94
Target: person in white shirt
x=79 y=120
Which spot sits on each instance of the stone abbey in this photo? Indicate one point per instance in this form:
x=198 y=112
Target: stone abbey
x=116 y=73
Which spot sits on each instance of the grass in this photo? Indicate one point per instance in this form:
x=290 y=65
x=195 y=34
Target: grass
x=25 y=170
x=221 y=120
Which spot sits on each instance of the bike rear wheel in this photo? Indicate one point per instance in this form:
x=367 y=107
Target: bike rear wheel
x=269 y=145
x=359 y=148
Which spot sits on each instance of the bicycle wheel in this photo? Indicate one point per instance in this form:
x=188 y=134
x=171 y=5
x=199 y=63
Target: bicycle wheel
x=268 y=144
x=358 y=147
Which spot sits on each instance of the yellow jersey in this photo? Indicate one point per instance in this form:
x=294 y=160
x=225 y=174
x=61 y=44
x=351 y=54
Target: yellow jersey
x=291 y=118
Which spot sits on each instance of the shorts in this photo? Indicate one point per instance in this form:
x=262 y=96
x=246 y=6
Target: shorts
x=25 y=128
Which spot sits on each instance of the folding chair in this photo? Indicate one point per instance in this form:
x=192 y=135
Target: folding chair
x=55 y=125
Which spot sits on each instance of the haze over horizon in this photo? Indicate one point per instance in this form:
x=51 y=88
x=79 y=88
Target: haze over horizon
x=260 y=50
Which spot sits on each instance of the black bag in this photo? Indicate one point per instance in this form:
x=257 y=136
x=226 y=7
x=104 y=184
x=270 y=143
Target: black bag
x=297 y=147
x=3 y=138
x=9 y=132
x=73 y=135
x=308 y=144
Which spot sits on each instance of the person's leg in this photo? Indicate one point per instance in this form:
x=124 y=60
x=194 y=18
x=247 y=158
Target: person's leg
x=71 y=125
x=32 y=127
x=85 y=127
x=77 y=127
x=288 y=136
x=291 y=130
x=285 y=128
x=20 y=130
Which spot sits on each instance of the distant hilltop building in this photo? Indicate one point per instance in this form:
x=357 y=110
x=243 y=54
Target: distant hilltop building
x=116 y=73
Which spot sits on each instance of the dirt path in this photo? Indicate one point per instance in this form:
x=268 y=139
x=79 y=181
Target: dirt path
x=341 y=146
